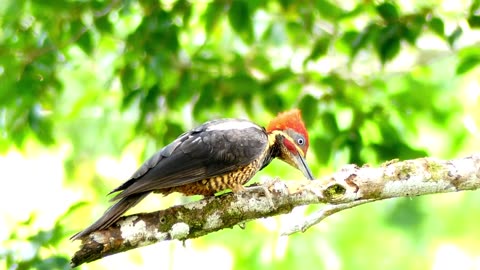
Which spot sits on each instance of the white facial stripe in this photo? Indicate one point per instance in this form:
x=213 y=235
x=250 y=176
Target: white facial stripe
x=233 y=124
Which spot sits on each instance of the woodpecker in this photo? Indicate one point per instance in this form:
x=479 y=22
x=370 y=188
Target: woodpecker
x=220 y=154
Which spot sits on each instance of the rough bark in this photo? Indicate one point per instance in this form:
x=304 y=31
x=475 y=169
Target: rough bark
x=349 y=187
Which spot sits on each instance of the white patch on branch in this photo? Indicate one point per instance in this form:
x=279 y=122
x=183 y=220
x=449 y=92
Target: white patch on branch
x=130 y=229
x=179 y=230
x=213 y=221
x=198 y=205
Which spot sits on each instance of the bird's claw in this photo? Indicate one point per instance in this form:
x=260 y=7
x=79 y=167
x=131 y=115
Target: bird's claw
x=265 y=191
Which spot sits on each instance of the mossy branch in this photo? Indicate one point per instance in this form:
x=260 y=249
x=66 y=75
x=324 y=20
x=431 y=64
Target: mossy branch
x=349 y=187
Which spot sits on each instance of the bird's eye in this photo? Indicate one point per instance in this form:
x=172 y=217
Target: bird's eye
x=300 y=141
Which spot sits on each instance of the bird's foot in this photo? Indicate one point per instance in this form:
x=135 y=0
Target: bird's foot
x=263 y=189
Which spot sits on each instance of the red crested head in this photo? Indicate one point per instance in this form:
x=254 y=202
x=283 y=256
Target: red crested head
x=289 y=131
x=290 y=120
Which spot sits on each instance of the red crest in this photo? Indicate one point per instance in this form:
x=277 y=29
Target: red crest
x=291 y=119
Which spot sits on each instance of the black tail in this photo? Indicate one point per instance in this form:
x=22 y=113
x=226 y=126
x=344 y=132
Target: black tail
x=112 y=214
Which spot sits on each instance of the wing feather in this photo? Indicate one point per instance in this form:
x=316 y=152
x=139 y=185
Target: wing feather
x=204 y=152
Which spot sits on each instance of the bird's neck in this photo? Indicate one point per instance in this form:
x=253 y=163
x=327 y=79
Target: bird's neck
x=274 y=147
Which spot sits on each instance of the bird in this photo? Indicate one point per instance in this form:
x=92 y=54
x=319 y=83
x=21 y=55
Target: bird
x=217 y=155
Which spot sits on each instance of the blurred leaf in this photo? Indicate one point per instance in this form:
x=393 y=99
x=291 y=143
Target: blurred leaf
x=322 y=148
x=329 y=122
x=240 y=19
x=182 y=93
x=474 y=6
x=277 y=77
x=41 y=126
x=184 y=8
x=406 y=214
x=205 y=100
x=80 y=30
x=103 y=24
x=274 y=103
x=454 y=35
x=361 y=40
x=85 y=42
x=286 y=3
x=319 y=49
x=413 y=28
x=437 y=26
x=388 y=12
x=388 y=42
x=328 y=10
x=474 y=21
x=309 y=107
x=467 y=63
x=212 y=15
x=173 y=130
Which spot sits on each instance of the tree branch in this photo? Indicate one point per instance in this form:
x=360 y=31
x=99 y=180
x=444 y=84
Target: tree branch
x=350 y=187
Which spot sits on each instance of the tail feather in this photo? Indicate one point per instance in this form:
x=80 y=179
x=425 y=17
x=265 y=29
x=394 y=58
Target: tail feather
x=112 y=214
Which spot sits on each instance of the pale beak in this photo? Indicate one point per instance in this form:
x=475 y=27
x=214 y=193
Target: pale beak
x=301 y=164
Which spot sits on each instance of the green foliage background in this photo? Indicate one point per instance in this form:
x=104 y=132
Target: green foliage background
x=108 y=82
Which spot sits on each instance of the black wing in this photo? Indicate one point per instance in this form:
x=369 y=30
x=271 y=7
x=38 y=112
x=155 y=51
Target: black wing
x=212 y=149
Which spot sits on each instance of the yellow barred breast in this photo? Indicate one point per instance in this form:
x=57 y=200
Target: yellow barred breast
x=208 y=187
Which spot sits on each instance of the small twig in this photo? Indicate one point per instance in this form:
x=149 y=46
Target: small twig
x=323 y=213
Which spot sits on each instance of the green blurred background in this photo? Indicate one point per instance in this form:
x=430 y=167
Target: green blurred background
x=90 y=89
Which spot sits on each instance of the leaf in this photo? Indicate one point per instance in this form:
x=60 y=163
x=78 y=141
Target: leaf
x=467 y=63
x=454 y=36
x=241 y=20
x=286 y=4
x=103 y=24
x=182 y=92
x=329 y=10
x=474 y=21
x=205 y=100
x=278 y=76
x=41 y=125
x=329 y=122
x=320 y=48
x=388 y=12
x=184 y=8
x=437 y=26
x=388 y=42
x=412 y=28
x=274 y=103
x=322 y=147
x=85 y=42
x=362 y=39
x=212 y=15
x=309 y=107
